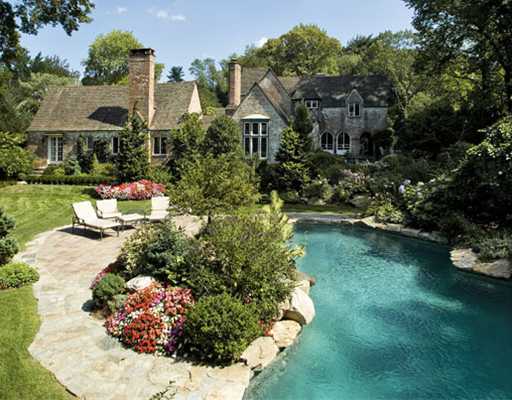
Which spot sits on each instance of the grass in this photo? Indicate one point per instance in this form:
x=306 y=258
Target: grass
x=36 y=208
x=22 y=377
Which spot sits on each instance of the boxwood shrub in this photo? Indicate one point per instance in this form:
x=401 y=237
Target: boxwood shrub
x=68 y=180
x=219 y=328
x=110 y=286
x=16 y=275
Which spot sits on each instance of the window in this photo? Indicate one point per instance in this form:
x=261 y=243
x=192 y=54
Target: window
x=159 y=146
x=115 y=145
x=327 y=142
x=312 y=104
x=354 y=110
x=90 y=143
x=343 y=143
x=256 y=139
x=55 y=149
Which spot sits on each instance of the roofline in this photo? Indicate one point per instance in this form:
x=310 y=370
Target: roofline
x=281 y=113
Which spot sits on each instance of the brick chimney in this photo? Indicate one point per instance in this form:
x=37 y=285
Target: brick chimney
x=141 y=83
x=235 y=84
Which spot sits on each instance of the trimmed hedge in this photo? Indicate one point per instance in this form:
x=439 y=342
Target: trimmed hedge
x=69 y=180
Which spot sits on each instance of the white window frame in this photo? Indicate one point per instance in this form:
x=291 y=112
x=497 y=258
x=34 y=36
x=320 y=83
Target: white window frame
x=312 y=104
x=55 y=149
x=115 y=137
x=354 y=110
x=345 y=144
x=255 y=131
x=326 y=146
x=160 y=140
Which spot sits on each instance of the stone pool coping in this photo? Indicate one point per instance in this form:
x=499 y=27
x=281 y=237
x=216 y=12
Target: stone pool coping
x=75 y=348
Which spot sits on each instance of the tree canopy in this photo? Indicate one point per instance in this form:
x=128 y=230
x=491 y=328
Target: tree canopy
x=107 y=60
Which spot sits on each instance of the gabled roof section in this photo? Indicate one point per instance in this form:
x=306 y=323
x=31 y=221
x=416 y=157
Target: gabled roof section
x=277 y=107
x=105 y=108
x=250 y=76
x=276 y=92
x=375 y=90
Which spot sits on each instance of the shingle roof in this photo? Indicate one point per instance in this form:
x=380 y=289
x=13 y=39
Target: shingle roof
x=250 y=76
x=208 y=119
x=376 y=90
x=105 y=108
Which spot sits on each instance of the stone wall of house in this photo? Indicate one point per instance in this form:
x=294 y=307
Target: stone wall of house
x=257 y=103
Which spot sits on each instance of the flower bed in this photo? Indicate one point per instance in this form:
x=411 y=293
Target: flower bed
x=140 y=190
x=151 y=320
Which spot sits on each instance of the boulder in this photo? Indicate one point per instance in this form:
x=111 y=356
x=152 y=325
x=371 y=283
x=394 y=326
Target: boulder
x=139 y=283
x=301 y=309
x=303 y=285
x=360 y=201
x=283 y=307
x=302 y=276
x=285 y=333
x=464 y=259
x=497 y=269
x=260 y=353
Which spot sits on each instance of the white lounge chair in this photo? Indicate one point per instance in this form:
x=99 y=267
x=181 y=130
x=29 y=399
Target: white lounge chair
x=159 y=209
x=107 y=209
x=85 y=215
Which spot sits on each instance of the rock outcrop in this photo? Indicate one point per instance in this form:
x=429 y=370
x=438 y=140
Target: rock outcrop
x=260 y=353
x=467 y=260
x=302 y=309
x=285 y=333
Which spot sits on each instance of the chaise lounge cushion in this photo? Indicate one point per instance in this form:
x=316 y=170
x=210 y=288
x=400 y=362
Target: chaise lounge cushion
x=107 y=208
x=86 y=215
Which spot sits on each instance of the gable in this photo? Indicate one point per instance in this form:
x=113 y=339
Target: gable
x=257 y=102
x=276 y=92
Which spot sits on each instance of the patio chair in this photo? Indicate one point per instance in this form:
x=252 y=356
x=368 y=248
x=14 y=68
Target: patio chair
x=159 y=209
x=107 y=209
x=85 y=215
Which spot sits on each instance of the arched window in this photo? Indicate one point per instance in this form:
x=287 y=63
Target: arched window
x=327 y=142
x=343 y=143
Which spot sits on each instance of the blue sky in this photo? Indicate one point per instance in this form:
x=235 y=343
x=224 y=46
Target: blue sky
x=182 y=30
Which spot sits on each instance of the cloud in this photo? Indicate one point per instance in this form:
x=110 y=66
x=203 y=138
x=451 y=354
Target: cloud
x=166 y=16
x=121 y=10
x=261 y=42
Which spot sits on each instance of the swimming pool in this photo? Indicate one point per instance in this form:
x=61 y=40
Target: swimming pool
x=394 y=320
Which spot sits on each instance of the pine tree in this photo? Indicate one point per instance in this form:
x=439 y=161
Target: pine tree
x=132 y=162
x=293 y=170
x=303 y=125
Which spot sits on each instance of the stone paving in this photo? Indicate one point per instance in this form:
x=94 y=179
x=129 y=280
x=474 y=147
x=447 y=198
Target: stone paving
x=74 y=346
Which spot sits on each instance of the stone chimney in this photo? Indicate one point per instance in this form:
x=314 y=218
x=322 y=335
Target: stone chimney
x=235 y=84
x=141 y=83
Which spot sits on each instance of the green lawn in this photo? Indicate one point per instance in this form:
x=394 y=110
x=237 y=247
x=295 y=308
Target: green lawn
x=37 y=208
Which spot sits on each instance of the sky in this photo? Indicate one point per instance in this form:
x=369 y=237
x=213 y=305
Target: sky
x=183 y=30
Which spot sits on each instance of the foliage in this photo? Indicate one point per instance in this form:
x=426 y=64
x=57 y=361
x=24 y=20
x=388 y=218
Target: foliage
x=16 y=275
x=62 y=179
x=219 y=328
x=151 y=320
x=132 y=162
x=326 y=165
x=251 y=255
x=495 y=246
x=233 y=185
x=28 y=17
x=108 y=287
x=176 y=74
x=140 y=190
x=304 y=50
x=319 y=189
x=211 y=81
x=293 y=173
x=72 y=166
x=303 y=125
x=387 y=212
x=107 y=61
x=222 y=137
x=14 y=160
x=131 y=256
x=187 y=141
x=160 y=174
x=8 y=244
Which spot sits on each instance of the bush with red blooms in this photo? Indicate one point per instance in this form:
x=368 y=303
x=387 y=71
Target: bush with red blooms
x=140 y=190
x=151 y=320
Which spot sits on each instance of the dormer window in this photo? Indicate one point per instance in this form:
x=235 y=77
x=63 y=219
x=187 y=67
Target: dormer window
x=312 y=104
x=354 y=110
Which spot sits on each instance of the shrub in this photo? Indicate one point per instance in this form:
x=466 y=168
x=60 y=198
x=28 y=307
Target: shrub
x=72 y=166
x=8 y=245
x=140 y=190
x=219 y=328
x=131 y=253
x=494 y=246
x=222 y=137
x=385 y=211
x=132 y=162
x=160 y=175
x=54 y=170
x=108 y=287
x=151 y=320
x=16 y=275
x=14 y=160
x=326 y=165
x=7 y=223
x=291 y=197
x=319 y=189
x=69 y=180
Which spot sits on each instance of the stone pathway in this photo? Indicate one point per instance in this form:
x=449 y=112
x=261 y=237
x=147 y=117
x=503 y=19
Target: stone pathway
x=75 y=347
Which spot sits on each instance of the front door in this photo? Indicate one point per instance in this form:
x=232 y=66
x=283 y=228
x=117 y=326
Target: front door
x=55 y=149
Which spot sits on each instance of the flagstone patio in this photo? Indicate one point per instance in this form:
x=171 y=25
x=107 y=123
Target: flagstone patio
x=73 y=344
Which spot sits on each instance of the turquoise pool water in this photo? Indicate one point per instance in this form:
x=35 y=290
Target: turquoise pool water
x=394 y=321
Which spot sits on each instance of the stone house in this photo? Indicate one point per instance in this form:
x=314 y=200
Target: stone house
x=347 y=110
x=100 y=112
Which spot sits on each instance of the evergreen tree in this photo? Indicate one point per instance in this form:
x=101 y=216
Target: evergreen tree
x=132 y=162
x=222 y=137
x=293 y=171
x=176 y=74
x=187 y=141
x=303 y=125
